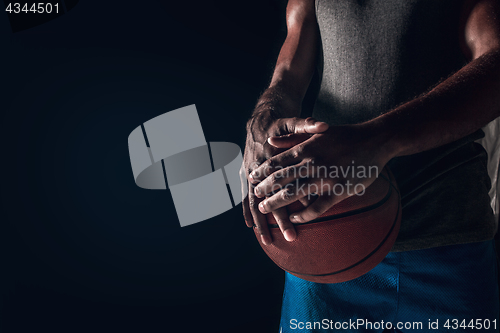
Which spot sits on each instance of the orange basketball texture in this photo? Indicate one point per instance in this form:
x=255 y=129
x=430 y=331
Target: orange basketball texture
x=346 y=241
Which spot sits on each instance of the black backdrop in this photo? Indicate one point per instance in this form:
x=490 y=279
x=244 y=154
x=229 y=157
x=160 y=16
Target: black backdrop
x=83 y=249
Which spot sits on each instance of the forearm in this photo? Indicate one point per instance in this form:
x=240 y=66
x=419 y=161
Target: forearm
x=277 y=101
x=459 y=106
x=283 y=98
x=294 y=67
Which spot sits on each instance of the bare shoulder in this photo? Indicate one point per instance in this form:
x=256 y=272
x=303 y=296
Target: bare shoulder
x=480 y=31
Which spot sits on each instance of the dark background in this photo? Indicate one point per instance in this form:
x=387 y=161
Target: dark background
x=83 y=249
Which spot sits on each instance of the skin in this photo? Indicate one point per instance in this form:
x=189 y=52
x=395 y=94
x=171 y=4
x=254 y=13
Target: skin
x=279 y=143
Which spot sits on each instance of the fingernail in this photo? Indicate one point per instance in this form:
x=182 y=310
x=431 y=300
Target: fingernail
x=321 y=123
x=289 y=235
x=266 y=240
x=294 y=218
x=250 y=177
x=257 y=191
x=261 y=208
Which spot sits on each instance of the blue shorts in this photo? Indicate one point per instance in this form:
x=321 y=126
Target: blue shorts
x=450 y=288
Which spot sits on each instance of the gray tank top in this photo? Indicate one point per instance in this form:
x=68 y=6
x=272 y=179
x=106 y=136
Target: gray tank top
x=377 y=54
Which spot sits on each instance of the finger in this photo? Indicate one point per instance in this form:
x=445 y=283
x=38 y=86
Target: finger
x=244 y=193
x=288 y=141
x=299 y=125
x=307 y=200
x=314 y=210
x=281 y=178
x=286 y=227
x=278 y=162
x=247 y=215
x=260 y=221
x=282 y=198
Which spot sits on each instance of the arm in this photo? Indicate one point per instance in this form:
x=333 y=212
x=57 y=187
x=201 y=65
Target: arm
x=283 y=99
x=458 y=106
x=292 y=74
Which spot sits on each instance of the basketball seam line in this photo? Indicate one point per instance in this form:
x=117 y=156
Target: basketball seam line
x=362 y=260
x=371 y=253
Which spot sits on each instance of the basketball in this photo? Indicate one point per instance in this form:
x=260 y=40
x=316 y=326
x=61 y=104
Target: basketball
x=347 y=241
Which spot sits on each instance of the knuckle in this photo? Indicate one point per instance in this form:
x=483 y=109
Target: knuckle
x=286 y=195
x=292 y=124
x=286 y=173
x=252 y=203
x=275 y=187
x=297 y=152
x=271 y=163
x=267 y=171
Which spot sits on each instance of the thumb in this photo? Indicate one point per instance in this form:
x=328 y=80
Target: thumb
x=288 y=141
x=302 y=126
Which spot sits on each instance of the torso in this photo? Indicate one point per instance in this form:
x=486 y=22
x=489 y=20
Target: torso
x=377 y=54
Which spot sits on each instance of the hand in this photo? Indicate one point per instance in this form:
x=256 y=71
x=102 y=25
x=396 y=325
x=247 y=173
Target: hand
x=341 y=162
x=257 y=151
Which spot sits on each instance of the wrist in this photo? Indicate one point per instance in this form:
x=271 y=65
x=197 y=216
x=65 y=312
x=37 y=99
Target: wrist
x=261 y=121
x=272 y=106
x=383 y=138
x=261 y=126
x=277 y=102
